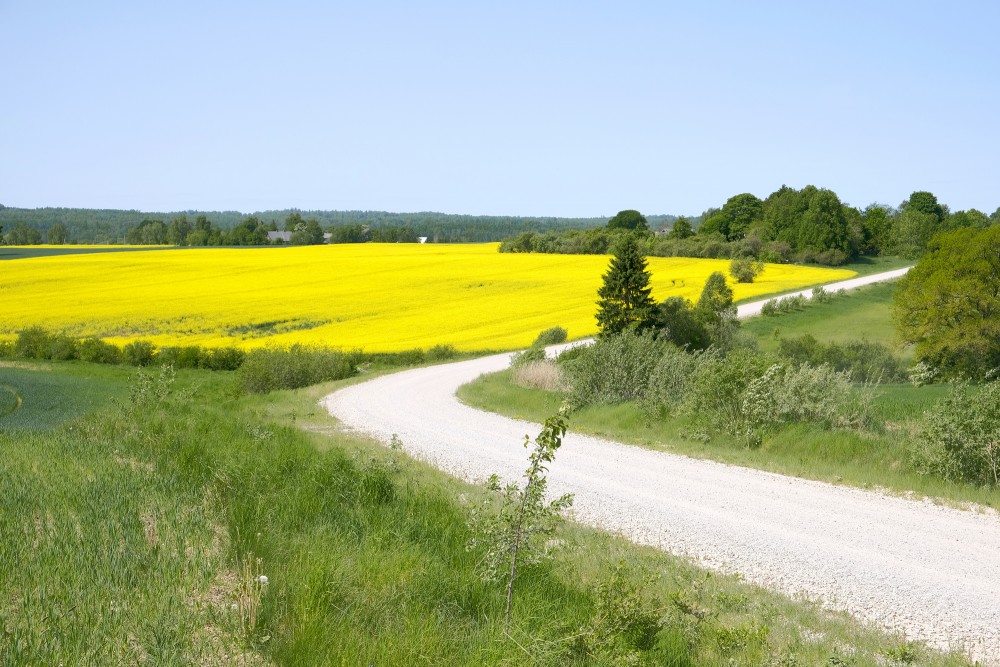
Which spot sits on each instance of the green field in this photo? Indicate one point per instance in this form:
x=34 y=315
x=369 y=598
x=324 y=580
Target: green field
x=863 y=314
x=138 y=533
x=35 y=396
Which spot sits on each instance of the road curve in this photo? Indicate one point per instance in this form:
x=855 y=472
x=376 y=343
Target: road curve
x=929 y=571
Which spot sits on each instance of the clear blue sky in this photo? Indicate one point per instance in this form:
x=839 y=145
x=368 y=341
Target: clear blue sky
x=511 y=108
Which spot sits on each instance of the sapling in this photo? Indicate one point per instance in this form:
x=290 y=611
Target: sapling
x=511 y=524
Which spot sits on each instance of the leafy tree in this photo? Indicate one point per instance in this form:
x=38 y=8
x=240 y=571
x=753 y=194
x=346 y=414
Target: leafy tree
x=925 y=202
x=970 y=218
x=716 y=296
x=678 y=324
x=625 y=301
x=57 y=234
x=739 y=213
x=630 y=220
x=877 y=225
x=293 y=220
x=949 y=303
x=744 y=269
x=178 y=230
x=912 y=231
x=307 y=233
x=148 y=232
x=22 y=234
x=682 y=229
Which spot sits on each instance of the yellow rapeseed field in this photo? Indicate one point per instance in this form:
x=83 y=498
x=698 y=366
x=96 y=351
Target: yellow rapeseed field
x=379 y=297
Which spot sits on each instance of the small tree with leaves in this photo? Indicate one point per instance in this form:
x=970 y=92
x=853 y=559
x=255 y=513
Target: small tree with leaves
x=513 y=522
x=625 y=301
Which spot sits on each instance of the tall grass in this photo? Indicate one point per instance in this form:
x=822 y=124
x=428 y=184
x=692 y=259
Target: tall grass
x=143 y=534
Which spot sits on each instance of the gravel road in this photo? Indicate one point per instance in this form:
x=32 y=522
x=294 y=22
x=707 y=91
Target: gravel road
x=930 y=571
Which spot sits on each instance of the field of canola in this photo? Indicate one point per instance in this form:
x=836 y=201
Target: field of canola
x=379 y=297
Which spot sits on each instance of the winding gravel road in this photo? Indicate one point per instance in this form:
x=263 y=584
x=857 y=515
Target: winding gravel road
x=930 y=571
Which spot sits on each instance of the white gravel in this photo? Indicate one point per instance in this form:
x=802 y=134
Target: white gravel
x=930 y=571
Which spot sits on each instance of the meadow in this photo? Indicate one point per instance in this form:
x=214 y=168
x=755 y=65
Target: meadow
x=376 y=297
x=138 y=526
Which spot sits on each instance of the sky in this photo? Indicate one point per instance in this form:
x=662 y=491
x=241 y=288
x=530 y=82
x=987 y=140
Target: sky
x=505 y=108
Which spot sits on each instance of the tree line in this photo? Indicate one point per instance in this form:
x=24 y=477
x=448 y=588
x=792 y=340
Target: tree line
x=807 y=225
x=108 y=226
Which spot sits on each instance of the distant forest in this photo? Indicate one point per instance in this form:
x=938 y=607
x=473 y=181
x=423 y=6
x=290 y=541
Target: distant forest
x=23 y=226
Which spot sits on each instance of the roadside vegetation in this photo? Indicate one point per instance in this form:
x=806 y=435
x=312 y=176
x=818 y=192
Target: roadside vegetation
x=182 y=520
x=797 y=392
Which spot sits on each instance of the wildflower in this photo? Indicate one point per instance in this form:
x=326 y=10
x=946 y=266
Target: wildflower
x=262 y=579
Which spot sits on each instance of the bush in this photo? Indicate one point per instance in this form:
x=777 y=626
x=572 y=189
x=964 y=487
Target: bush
x=180 y=357
x=98 y=351
x=222 y=358
x=820 y=295
x=670 y=379
x=441 y=353
x=6 y=349
x=615 y=369
x=863 y=360
x=809 y=393
x=270 y=369
x=63 y=348
x=33 y=343
x=531 y=355
x=138 y=353
x=744 y=269
x=552 y=336
x=961 y=436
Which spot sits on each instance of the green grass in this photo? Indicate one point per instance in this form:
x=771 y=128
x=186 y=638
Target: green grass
x=34 y=397
x=26 y=252
x=864 y=313
x=863 y=266
x=129 y=534
x=877 y=459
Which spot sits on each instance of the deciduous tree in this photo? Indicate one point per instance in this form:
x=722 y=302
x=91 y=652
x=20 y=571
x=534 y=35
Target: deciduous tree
x=949 y=303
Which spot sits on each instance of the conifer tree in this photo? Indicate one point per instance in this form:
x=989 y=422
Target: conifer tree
x=625 y=301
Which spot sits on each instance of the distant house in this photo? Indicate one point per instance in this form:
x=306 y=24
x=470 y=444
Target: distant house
x=286 y=237
x=422 y=239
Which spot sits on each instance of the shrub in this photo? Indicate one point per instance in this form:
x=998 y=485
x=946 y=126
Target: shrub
x=864 y=361
x=98 y=351
x=552 y=336
x=33 y=343
x=222 y=358
x=532 y=354
x=138 y=353
x=571 y=353
x=670 y=379
x=962 y=436
x=63 y=347
x=441 y=353
x=270 y=369
x=745 y=269
x=615 y=369
x=812 y=394
x=820 y=295
x=543 y=374
x=6 y=349
x=180 y=357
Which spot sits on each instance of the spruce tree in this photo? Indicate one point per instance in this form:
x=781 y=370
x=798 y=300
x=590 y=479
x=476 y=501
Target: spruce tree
x=625 y=301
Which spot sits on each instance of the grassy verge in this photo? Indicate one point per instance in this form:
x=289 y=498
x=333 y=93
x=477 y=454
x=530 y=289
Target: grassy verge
x=33 y=396
x=864 y=266
x=863 y=314
x=141 y=533
x=866 y=460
